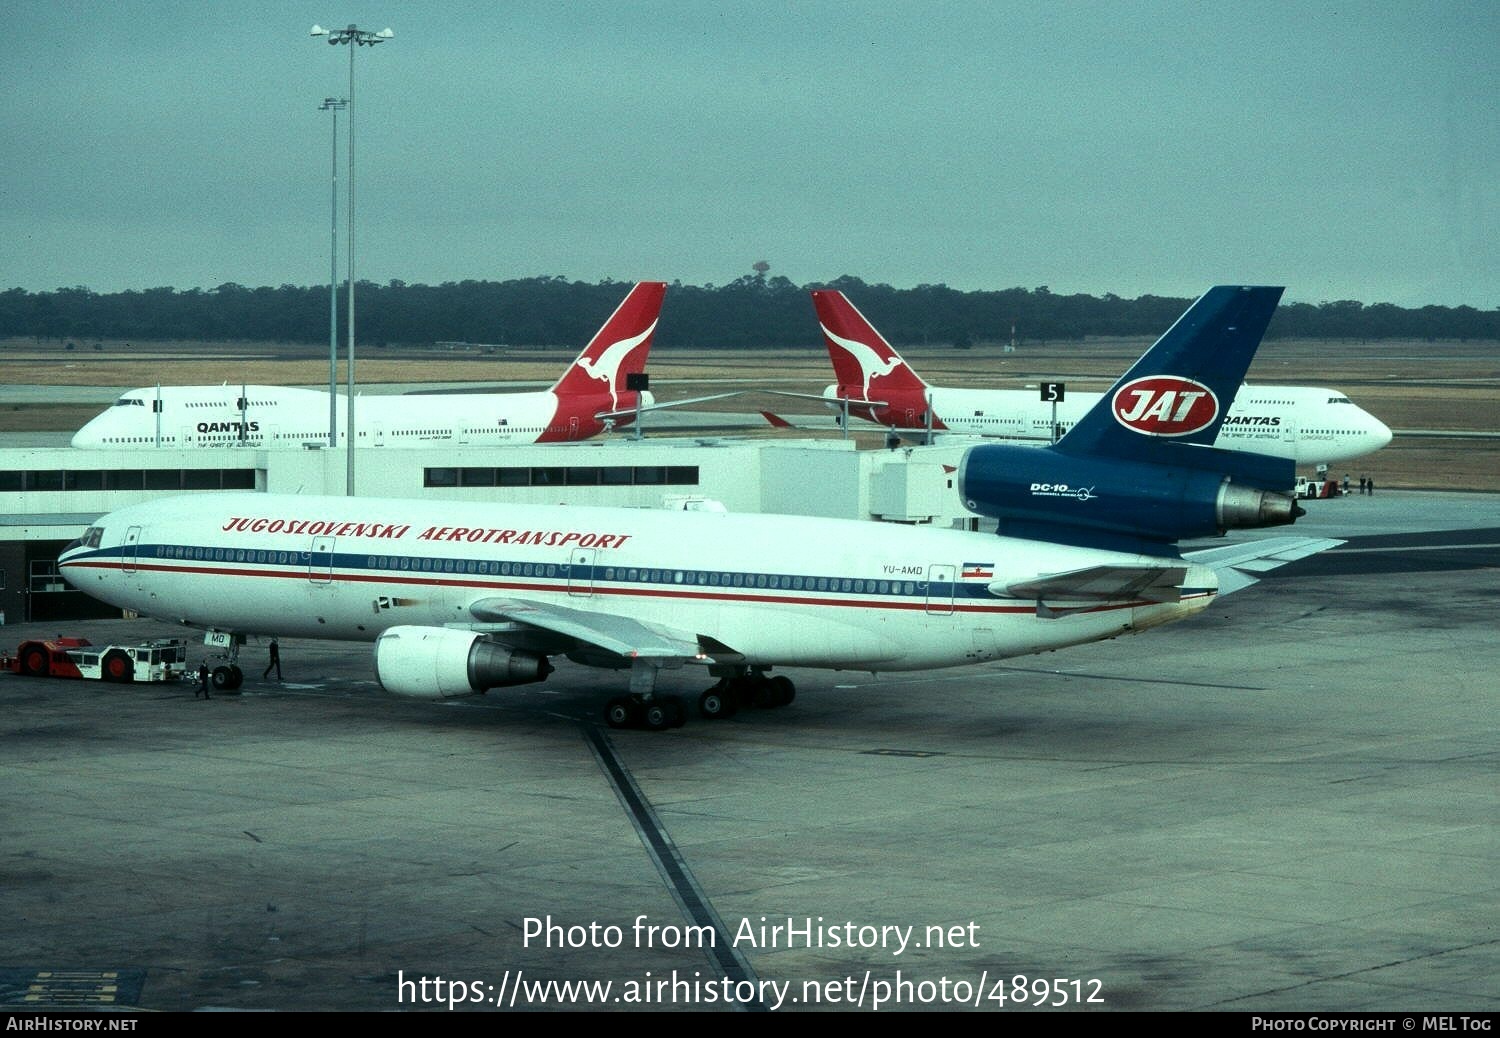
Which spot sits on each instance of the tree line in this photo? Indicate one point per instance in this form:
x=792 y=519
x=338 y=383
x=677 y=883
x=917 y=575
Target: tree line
x=753 y=311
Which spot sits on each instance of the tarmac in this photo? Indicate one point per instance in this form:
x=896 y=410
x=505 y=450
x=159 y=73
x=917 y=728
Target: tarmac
x=1287 y=803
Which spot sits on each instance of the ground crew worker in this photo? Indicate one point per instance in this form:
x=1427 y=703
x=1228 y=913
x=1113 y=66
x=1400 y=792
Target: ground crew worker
x=275 y=661
x=202 y=680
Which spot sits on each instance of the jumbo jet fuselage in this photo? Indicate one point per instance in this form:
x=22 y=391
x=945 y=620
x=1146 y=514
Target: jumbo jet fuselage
x=752 y=589
x=1304 y=424
x=594 y=394
x=280 y=417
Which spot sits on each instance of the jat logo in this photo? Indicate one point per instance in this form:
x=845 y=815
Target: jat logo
x=1165 y=405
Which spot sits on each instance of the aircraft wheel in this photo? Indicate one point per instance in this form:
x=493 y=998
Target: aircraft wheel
x=718 y=702
x=622 y=712
x=782 y=691
x=744 y=691
x=117 y=667
x=679 y=711
x=236 y=677
x=764 y=694
x=658 y=715
x=34 y=663
x=221 y=678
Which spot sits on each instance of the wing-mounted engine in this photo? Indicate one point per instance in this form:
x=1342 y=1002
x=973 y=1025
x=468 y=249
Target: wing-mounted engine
x=1180 y=492
x=439 y=663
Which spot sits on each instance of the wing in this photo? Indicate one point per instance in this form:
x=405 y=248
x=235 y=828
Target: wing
x=820 y=398
x=631 y=412
x=1237 y=564
x=618 y=635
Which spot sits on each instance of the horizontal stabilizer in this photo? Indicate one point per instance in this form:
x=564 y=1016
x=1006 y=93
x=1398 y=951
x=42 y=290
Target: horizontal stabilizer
x=1236 y=563
x=1101 y=584
x=617 y=634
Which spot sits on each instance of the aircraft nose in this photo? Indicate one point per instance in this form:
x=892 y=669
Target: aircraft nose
x=1380 y=433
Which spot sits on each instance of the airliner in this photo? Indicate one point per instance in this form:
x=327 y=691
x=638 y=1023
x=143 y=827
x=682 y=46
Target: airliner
x=460 y=598
x=1304 y=423
x=591 y=397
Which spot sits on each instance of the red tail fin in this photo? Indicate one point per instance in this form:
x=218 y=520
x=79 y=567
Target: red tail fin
x=617 y=349
x=860 y=355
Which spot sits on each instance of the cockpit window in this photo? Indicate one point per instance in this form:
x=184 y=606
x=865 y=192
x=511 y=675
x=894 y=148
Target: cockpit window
x=126 y=401
x=1339 y=400
x=92 y=536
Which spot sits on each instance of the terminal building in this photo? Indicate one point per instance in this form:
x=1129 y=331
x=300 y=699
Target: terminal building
x=49 y=496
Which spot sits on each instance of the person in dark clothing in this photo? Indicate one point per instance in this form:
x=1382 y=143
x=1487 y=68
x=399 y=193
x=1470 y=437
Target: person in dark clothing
x=275 y=661
x=1370 y=486
x=202 y=681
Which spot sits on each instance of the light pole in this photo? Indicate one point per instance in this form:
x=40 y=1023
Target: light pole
x=354 y=37
x=334 y=105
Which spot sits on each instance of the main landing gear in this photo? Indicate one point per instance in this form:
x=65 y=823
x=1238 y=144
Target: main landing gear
x=642 y=708
x=738 y=688
x=656 y=714
x=754 y=688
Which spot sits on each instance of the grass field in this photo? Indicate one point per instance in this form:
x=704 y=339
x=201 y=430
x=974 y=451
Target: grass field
x=1443 y=386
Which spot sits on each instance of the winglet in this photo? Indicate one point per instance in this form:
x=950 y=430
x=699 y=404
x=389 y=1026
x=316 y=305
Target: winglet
x=619 y=348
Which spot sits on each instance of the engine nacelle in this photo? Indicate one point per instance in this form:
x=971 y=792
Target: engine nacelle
x=439 y=663
x=1033 y=487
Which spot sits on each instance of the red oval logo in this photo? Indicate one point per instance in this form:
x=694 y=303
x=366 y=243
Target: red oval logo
x=1165 y=405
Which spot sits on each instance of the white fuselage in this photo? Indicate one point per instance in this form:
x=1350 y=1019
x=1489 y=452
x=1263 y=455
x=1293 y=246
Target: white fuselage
x=278 y=417
x=1305 y=424
x=771 y=589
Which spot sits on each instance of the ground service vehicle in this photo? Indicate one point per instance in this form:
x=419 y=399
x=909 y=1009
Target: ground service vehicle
x=152 y=661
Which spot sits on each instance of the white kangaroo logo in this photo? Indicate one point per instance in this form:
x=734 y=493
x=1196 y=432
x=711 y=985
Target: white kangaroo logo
x=871 y=365
x=606 y=367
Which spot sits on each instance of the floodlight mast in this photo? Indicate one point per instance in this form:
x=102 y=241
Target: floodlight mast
x=334 y=105
x=355 y=37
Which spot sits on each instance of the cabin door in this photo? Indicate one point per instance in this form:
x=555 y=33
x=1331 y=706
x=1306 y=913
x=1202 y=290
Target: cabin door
x=129 y=549
x=582 y=564
x=940 y=588
x=320 y=561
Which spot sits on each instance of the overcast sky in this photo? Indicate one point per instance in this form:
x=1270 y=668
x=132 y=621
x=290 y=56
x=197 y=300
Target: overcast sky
x=1348 y=150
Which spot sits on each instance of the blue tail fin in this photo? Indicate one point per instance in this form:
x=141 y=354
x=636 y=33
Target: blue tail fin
x=1180 y=390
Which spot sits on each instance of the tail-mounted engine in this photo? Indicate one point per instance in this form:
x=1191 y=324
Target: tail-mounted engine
x=1182 y=492
x=439 y=663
